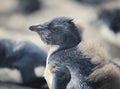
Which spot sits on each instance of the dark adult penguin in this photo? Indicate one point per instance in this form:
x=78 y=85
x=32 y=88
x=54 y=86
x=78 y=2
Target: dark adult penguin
x=29 y=6
x=111 y=18
x=20 y=62
x=73 y=63
x=108 y=26
x=93 y=2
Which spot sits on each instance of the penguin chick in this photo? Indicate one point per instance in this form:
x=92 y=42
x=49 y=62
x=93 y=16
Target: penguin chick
x=65 y=53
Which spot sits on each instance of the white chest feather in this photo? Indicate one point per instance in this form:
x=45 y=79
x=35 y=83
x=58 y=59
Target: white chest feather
x=47 y=74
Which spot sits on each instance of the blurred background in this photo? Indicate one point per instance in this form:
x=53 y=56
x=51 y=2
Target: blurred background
x=99 y=20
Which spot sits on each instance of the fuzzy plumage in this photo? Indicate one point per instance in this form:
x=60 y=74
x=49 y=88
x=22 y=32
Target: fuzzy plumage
x=79 y=59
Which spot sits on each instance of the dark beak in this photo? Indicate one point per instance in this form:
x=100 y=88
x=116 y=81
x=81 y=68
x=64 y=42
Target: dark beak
x=36 y=28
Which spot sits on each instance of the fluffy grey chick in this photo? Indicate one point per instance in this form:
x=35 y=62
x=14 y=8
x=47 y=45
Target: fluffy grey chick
x=67 y=64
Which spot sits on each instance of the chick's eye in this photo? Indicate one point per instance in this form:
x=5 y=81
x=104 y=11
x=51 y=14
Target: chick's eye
x=54 y=29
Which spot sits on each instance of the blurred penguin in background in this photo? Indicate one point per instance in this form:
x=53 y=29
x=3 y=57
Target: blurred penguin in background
x=109 y=23
x=93 y=2
x=29 y=6
x=22 y=62
x=112 y=19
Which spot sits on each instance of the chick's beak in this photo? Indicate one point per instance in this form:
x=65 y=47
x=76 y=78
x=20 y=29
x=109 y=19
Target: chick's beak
x=36 y=28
